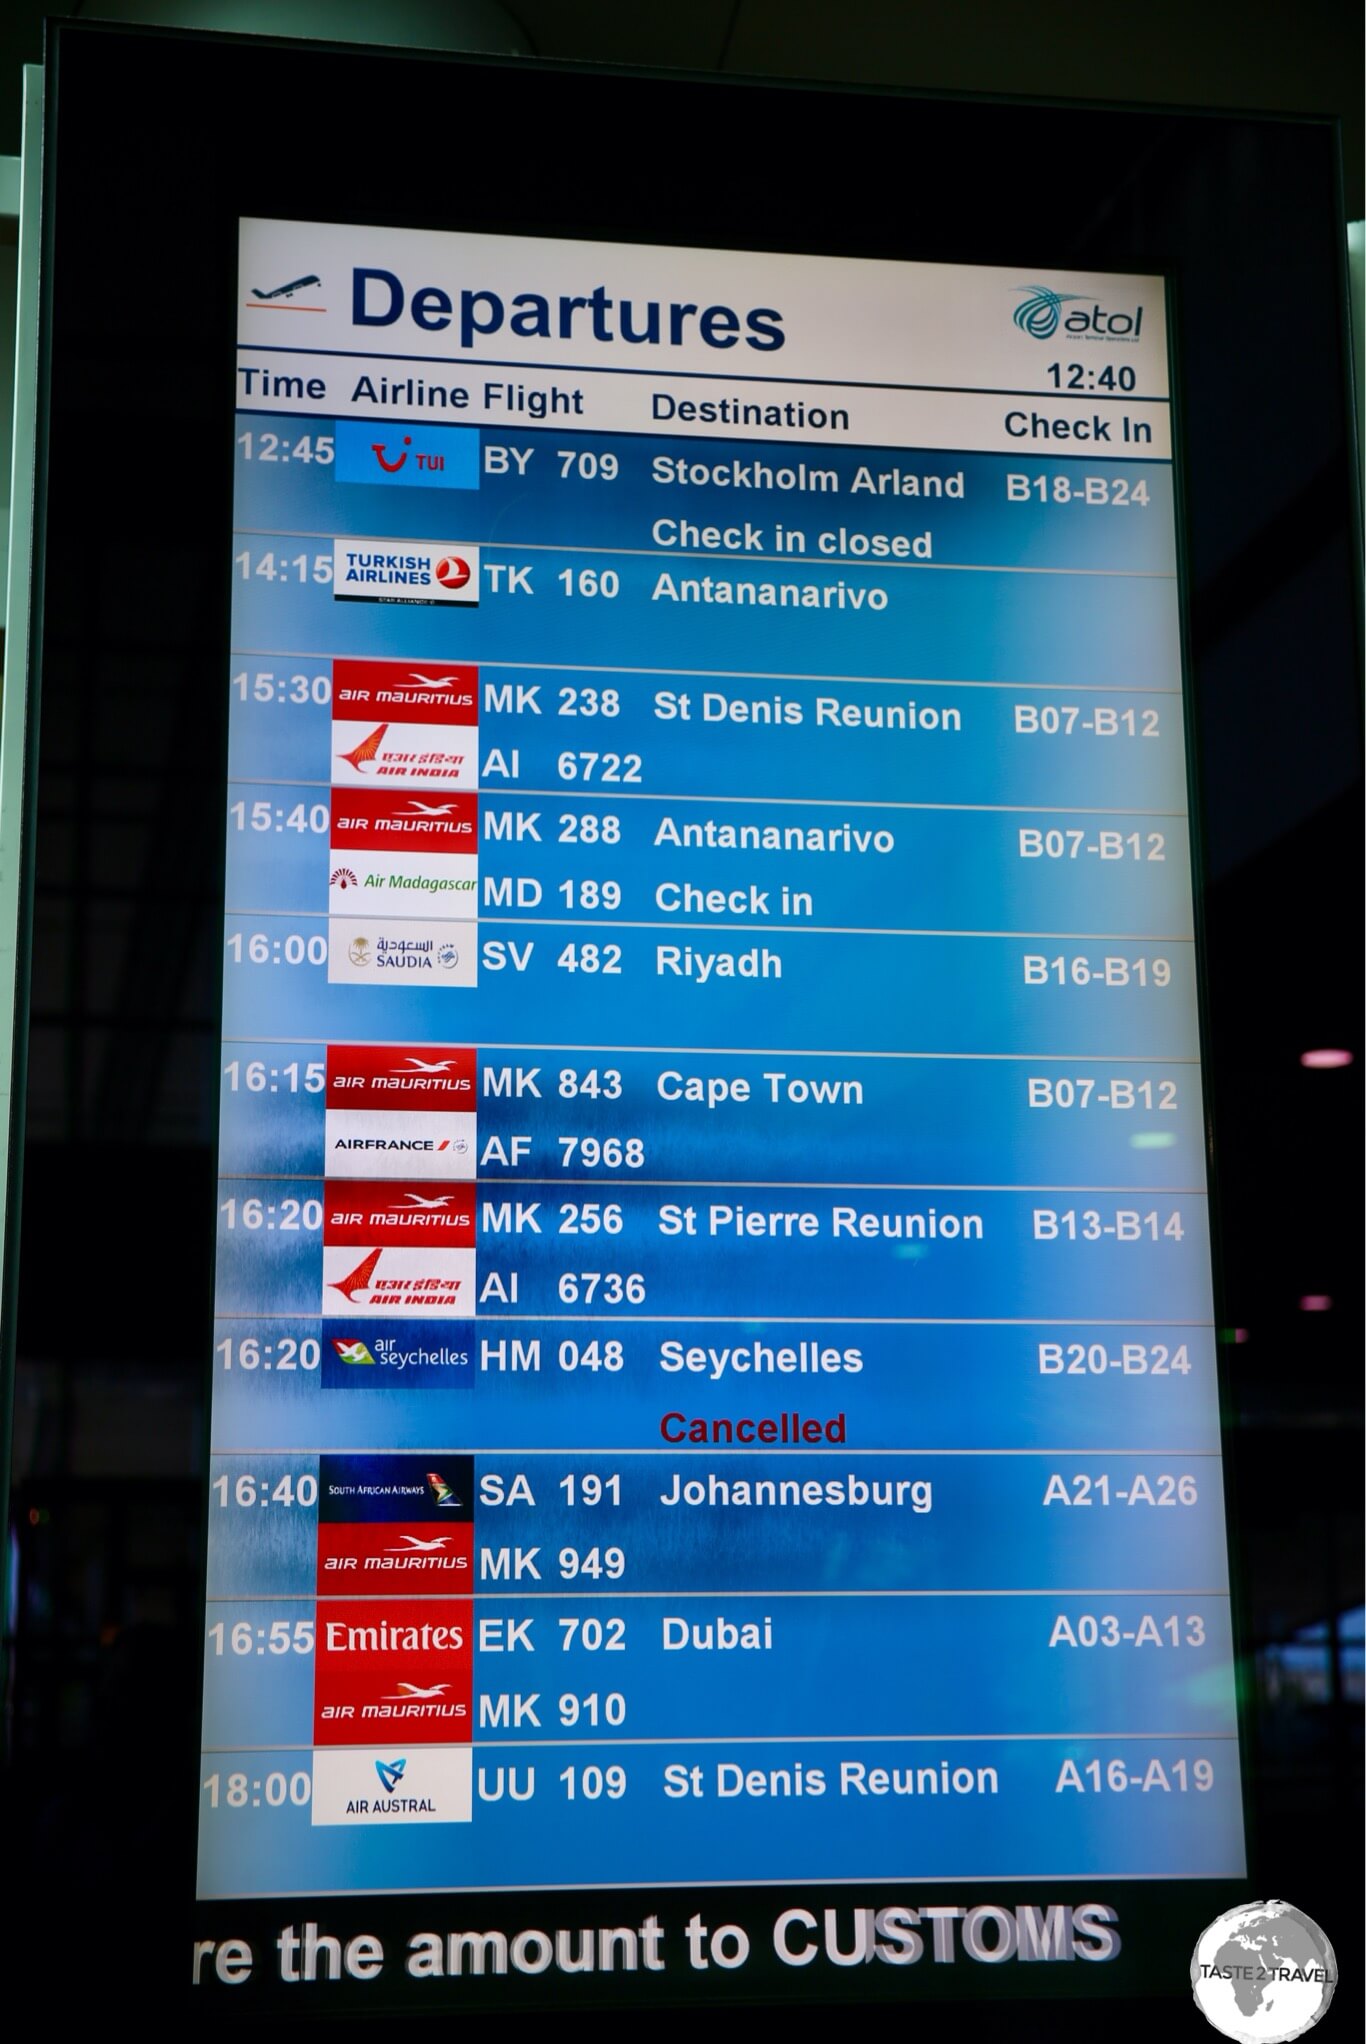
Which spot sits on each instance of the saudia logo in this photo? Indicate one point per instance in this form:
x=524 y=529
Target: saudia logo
x=1041 y=314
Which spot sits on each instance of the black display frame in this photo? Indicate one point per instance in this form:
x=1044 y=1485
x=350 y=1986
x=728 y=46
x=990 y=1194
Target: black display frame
x=1012 y=182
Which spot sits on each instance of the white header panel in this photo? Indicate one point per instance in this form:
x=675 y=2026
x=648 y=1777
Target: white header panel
x=461 y=299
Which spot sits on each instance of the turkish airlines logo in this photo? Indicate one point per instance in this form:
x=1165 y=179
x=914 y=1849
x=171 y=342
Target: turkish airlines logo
x=453 y=572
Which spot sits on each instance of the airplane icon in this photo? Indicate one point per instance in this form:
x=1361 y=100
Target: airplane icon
x=286 y=290
x=416 y=1545
x=431 y=808
x=439 y=1199
x=417 y=1064
x=410 y=1693
x=433 y=680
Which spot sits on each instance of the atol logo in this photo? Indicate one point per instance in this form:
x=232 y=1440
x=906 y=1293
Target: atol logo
x=369 y=691
x=404 y=571
x=407 y=455
x=1041 y=315
x=377 y=1075
x=390 y=819
x=390 y=1774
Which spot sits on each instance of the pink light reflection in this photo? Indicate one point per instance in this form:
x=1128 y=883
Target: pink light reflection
x=1316 y=1302
x=1325 y=1060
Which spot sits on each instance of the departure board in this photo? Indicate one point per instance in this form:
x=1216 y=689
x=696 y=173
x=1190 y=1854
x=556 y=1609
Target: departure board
x=714 y=1370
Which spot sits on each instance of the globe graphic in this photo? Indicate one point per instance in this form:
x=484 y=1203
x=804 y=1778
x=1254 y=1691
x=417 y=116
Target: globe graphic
x=1263 y=1973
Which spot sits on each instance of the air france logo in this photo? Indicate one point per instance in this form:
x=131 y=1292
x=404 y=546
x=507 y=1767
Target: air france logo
x=1041 y=314
x=390 y=1774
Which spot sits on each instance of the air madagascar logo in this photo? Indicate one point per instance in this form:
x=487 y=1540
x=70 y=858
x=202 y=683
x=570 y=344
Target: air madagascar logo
x=398 y=1247
x=396 y=723
x=1041 y=315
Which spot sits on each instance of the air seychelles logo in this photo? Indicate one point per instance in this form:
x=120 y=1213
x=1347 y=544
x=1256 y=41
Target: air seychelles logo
x=1041 y=315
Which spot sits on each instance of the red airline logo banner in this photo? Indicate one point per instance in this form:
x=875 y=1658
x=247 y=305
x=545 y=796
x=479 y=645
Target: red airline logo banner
x=374 y=1559
x=399 y=820
x=404 y=691
x=398 y=1213
x=369 y=1075
x=393 y=1665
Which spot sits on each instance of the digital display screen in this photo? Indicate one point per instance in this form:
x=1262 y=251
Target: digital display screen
x=714 y=1370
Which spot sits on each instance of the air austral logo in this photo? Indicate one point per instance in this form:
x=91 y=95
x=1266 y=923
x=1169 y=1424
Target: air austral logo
x=1041 y=315
x=390 y=1774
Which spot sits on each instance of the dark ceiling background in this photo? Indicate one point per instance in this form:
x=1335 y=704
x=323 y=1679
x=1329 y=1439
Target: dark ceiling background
x=1273 y=56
